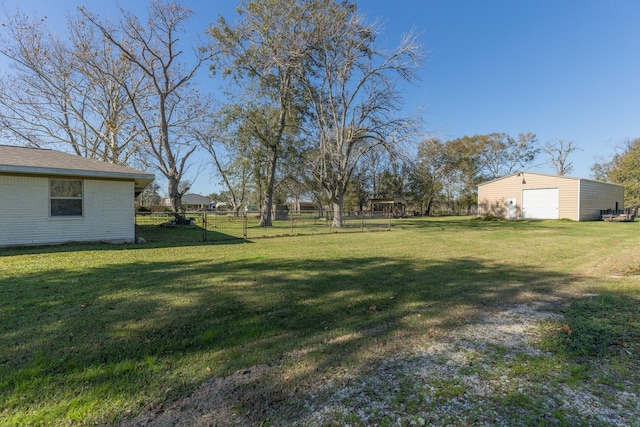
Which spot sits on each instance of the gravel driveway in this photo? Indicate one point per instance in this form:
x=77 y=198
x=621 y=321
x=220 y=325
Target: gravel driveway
x=486 y=373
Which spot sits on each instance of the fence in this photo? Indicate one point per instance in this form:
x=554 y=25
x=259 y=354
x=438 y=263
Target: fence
x=218 y=226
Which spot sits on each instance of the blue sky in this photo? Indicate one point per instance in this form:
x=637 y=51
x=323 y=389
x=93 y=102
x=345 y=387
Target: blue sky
x=562 y=69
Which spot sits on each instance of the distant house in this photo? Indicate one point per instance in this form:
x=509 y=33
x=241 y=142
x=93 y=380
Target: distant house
x=191 y=202
x=195 y=202
x=49 y=197
x=539 y=196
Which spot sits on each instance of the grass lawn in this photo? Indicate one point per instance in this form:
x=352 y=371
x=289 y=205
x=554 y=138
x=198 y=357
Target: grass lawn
x=92 y=334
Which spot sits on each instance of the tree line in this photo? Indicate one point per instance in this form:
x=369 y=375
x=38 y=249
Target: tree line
x=312 y=109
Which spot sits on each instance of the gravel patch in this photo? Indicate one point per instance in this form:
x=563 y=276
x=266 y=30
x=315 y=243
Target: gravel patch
x=481 y=374
x=486 y=373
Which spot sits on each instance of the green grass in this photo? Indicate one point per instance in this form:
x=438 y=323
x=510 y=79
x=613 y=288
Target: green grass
x=93 y=333
x=604 y=324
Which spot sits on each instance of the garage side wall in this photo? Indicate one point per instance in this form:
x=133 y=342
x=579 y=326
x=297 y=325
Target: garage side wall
x=108 y=213
x=596 y=196
x=492 y=196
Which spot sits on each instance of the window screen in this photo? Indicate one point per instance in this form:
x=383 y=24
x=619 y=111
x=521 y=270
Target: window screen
x=66 y=197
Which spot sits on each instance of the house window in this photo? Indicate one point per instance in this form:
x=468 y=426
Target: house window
x=66 y=197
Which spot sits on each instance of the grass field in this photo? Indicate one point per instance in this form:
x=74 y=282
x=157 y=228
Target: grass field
x=92 y=334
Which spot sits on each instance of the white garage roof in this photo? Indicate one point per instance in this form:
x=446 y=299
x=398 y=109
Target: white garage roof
x=524 y=175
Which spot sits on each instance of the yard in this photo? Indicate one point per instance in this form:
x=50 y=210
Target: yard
x=438 y=321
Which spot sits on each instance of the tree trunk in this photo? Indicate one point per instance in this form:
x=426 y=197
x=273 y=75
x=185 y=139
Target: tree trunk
x=175 y=198
x=428 y=210
x=337 y=212
x=265 y=218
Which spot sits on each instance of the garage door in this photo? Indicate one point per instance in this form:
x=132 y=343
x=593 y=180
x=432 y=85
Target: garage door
x=540 y=203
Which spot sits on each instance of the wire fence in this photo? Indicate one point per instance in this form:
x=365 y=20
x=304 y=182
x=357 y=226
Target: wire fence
x=220 y=226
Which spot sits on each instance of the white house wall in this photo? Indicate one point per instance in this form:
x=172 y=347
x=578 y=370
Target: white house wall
x=108 y=213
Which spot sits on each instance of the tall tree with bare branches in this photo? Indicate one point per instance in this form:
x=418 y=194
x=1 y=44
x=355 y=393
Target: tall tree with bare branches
x=558 y=153
x=352 y=89
x=61 y=91
x=169 y=105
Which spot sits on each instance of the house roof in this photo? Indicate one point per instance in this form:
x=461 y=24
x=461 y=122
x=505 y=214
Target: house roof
x=195 y=199
x=544 y=174
x=38 y=161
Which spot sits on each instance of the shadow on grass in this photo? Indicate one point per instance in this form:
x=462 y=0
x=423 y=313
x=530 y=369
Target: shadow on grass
x=148 y=331
x=157 y=236
x=154 y=235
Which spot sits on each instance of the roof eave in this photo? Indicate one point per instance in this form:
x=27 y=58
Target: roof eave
x=141 y=179
x=141 y=183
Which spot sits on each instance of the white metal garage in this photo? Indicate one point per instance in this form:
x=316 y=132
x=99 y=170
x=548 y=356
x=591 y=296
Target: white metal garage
x=540 y=196
x=540 y=203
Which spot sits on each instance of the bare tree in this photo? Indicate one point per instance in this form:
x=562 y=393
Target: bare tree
x=169 y=105
x=558 y=153
x=354 y=98
x=372 y=163
x=62 y=93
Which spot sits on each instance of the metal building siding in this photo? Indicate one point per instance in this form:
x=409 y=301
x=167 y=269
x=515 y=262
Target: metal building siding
x=492 y=195
x=596 y=196
x=108 y=213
